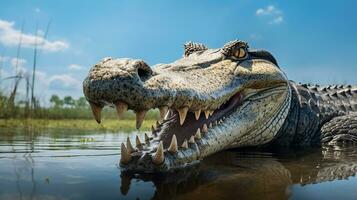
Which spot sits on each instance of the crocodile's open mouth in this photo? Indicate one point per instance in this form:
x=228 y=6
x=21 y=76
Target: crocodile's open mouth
x=187 y=125
x=183 y=135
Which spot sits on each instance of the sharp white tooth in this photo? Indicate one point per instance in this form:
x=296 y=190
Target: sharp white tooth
x=197 y=114
x=191 y=140
x=96 y=110
x=224 y=117
x=125 y=154
x=182 y=113
x=130 y=147
x=184 y=145
x=138 y=142
x=140 y=115
x=168 y=114
x=157 y=124
x=153 y=131
x=220 y=121
x=147 y=139
x=159 y=157
x=163 y=111
x=198 y=134
x=121 y=108
x=206 y=114
x=204 y=128
x=211 y=112
x=215 y=123
x=210 y=125
x=173 y=145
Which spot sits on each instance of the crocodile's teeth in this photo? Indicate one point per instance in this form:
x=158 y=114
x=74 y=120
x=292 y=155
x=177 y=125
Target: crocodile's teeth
x=125 y=154
x=130 y=147
x=211 y=112
x=191 y=140
x=220 y=121
x=207 y=113
x=210 y=125
x=138 y=142
x=197 y=114
x=163 y=111
x=204 y=128
x=96 y=110
x=121 y=108
x=140 y=115
x=168 y=114
x=159 y=157
x=157 y=124
x=184 y=145
x=215 y=123
x=182 y=113
x=147 y=139
x=152 y=128
x=198 y=134
x=173 y=145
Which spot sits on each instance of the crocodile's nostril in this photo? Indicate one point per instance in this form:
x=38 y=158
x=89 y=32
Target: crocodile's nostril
x=144 y=73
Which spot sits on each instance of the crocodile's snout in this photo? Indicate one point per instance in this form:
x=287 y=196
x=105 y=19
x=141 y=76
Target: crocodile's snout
x=111 y=79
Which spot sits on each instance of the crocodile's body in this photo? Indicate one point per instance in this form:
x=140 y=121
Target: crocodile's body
x=245 y=98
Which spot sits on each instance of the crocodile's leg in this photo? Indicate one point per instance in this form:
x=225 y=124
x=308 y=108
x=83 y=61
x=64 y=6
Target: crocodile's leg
x=342 y=129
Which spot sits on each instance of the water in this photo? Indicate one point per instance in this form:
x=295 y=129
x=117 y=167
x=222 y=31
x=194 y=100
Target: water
x=67 y=164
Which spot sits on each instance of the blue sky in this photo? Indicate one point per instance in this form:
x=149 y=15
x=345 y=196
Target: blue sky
x=313 y=41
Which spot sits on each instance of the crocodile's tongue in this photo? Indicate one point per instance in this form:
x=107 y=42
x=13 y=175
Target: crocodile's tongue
x=171 y=125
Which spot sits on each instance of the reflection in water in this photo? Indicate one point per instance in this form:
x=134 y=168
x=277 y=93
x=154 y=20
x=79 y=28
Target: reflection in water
x=252 y=175
x=62 y=164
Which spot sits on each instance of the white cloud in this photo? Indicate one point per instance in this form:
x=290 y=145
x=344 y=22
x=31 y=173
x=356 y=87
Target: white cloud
x=277 y=20
x=75 y=67
x=42 y=77
x=40 y=33
x=275 y=15
x=254 y=36
x=3 y=59
x=10 y=36
x=3 y=74
x=19 y=63
x=65 y=81
x=269 y=10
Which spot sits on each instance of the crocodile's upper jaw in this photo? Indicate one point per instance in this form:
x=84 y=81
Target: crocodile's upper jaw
x=216 y=100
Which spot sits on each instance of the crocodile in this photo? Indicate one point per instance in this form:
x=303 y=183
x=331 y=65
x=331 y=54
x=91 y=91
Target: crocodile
x=216 y=99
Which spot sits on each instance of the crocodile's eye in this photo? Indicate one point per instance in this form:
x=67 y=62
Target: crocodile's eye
x=240 y=53
x=236 y=50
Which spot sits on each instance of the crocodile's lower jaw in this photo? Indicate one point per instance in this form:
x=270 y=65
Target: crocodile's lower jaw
x=175 y=146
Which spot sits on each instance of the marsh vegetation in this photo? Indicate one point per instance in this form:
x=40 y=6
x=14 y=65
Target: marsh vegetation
x=68 y=113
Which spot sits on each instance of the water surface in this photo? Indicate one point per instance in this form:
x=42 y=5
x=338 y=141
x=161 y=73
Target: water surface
x=69 y=164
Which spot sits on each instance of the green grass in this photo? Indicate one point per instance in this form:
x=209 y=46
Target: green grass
x=125 y=125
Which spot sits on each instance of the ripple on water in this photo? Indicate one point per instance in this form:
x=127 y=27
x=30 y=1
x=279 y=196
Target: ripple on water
x=69 y=164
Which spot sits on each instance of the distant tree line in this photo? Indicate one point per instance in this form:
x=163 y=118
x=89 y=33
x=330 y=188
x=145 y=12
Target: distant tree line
x=61 y=108
x=68 y=102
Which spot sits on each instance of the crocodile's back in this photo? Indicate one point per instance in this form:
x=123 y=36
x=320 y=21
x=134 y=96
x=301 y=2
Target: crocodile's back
x=313 y=106
x=328 y=101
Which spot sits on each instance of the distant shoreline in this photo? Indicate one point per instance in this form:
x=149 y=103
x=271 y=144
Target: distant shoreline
x=125 y=125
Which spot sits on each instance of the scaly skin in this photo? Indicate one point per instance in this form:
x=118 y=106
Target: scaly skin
x=217 y=99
